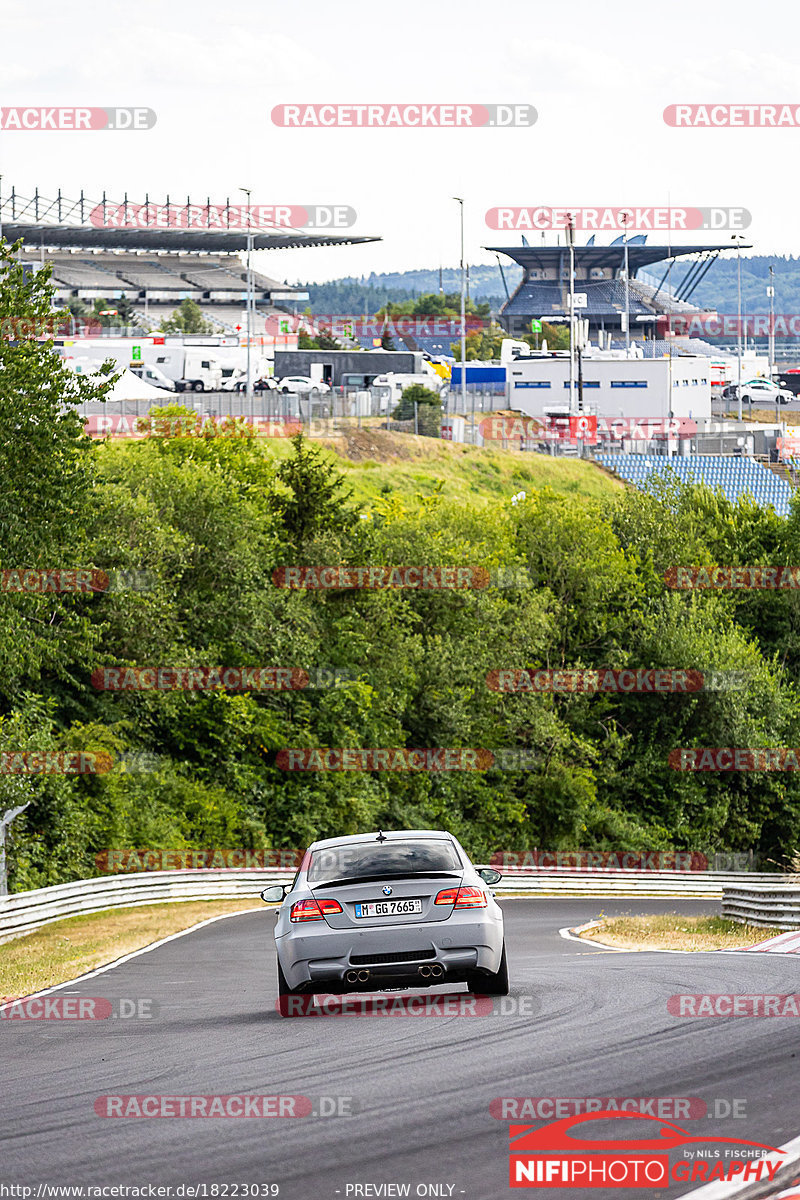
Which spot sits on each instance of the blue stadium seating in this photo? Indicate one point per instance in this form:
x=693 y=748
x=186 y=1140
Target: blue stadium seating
x=604 y=297
x=735 y=476
x=536 y=297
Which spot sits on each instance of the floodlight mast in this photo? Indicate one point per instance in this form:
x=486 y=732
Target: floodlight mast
x=738 y=238
x=624 y=218
x=249 y=301
x=463 y=316
x=570 y=230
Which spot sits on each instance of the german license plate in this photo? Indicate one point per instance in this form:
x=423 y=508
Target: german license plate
x=388 y=908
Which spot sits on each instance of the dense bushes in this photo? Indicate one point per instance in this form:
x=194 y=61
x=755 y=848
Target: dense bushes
x=208 y=520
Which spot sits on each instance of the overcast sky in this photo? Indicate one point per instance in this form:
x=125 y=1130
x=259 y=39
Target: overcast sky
x=599 y=76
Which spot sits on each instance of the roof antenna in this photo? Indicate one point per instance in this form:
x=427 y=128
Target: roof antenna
x=381 y=836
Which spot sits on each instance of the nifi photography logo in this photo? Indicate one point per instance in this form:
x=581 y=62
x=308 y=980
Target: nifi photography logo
x=554 y=1156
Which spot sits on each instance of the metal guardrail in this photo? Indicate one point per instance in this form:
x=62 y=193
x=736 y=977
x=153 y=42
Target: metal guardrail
x=25 y=911
x=763 y=903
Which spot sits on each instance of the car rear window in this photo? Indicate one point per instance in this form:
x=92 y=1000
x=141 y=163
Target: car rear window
x=386 y=859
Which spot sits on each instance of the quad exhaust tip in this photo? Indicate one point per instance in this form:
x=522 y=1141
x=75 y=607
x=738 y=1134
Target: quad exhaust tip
x=356 y=976
x=436 y=971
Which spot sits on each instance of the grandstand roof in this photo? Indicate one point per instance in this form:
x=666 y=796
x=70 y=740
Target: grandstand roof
x=63 y=223
x=89 y=237
x=543 y=257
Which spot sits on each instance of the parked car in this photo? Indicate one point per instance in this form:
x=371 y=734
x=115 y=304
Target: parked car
x=405 y=909
x=259 y=385
x=304 y=386
x=790 y=380
x=759 y=390
x=153 y=376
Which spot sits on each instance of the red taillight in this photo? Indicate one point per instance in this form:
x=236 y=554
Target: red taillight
x=463 y=897
x=313 y=910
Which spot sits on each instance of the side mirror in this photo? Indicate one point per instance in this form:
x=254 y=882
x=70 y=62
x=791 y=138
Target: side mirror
x=275 y=894
x=489 y=875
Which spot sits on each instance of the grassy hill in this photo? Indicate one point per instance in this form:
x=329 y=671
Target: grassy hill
x=376 y=462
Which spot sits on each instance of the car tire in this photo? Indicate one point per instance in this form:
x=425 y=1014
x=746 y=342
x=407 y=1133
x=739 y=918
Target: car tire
x=315 y=393
x=491 y=985
x=197 y=386
x=288 y=1007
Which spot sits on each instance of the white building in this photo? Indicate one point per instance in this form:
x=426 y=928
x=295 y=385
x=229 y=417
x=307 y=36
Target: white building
x=613 y=386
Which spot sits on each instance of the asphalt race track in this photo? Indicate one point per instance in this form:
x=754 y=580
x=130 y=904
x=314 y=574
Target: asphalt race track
x=593 y=1024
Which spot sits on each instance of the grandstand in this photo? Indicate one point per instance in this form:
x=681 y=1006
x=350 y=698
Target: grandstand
x=153 y=268
x=543 y=292
x=734 y=475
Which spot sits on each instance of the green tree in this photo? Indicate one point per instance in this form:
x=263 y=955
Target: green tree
x=311 y=495
x=187 y=318
x=49 y=491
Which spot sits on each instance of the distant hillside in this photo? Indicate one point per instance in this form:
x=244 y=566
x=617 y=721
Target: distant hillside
x=369 y=293
x=718 y=290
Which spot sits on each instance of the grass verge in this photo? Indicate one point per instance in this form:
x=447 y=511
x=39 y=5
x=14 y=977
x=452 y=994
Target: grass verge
x=71 y=947
x=672 y=931
x=377 y=463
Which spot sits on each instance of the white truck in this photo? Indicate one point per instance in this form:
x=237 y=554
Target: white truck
x=152 y=375
x=191 y=368
x=389 y=388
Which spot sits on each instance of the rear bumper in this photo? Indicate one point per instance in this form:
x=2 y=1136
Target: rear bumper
x=314 y=957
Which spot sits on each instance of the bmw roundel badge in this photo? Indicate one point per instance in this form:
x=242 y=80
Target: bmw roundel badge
x=387 y=891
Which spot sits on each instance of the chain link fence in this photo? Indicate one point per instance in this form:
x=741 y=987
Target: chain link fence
x=320 y=413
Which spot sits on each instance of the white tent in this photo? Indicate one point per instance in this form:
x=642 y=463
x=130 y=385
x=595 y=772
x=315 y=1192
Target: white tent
x=127 y=387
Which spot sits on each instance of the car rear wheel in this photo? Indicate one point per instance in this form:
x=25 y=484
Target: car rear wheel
x=288 y=1005
x=491 y=985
